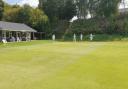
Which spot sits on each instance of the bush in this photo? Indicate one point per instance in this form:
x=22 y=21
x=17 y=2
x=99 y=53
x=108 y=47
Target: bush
x=98 y=37
x=114 y=25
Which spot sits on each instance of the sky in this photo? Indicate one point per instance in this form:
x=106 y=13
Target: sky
x=33 y=3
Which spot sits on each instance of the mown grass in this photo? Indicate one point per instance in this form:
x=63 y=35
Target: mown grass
x=64 y=65
x=23 y=43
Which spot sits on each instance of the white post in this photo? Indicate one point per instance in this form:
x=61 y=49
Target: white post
x=30 y=36
x=4 y=34
x=26 y=36
x=33 y=36
x=16 y=34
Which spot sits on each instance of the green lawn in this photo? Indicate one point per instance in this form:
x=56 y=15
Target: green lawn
x=64 y=65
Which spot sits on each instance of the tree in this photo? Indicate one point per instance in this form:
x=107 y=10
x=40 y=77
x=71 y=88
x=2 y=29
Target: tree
x=11 y=13
x=33 y=17
x=82 y=6
x=107 y=8
x=59 y=13
x=24 y=14
x=50 y=8
x=68 y=10
x=93 y=7
x=97 y=8
x=1 y=9
x=38 y=20
x=123 y=2
x=58 y=9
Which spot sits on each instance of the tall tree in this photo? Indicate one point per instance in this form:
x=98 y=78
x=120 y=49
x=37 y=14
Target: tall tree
x=11 y=13
x=38 y=20
x=82 y=8
x=67 y=10
x=58 y=10
x=108 y=8
x=33 y=17
x=24 y=14
x=50 y=8
x=97 y=8
x=124 y=6
x=1 y=9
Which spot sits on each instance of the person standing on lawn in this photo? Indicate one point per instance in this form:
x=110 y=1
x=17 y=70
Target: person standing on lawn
x=74 y=37
x=53 y=37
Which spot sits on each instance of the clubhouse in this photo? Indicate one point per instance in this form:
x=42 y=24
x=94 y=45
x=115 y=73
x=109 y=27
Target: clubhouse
x=12 y=32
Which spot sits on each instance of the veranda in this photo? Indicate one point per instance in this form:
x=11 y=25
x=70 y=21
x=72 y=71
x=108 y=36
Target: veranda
x=12 y=32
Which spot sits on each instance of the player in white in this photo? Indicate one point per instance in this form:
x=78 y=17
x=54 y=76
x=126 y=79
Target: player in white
x=91 y=37
x=74 y=37
x=4 y=40
x=81 y=36
x=53 y=37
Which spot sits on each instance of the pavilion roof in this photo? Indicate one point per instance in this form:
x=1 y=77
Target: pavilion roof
x=9 y=26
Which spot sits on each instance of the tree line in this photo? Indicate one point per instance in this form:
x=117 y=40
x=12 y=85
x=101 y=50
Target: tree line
x=59 y=12
x=34 y=17
x=44 y=18
x=53 y=16
x=105 y=17
x=97 y=8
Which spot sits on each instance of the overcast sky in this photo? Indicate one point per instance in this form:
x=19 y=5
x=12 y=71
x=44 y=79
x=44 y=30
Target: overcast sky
x=33 y=3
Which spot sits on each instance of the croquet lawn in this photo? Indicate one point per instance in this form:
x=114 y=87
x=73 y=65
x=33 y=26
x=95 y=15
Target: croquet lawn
x=64 y=65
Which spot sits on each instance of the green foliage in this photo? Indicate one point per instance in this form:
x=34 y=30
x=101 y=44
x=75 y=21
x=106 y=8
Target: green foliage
x=61 y=9
x=112 y=25
x=33 y=17
x=68 y=11
x=1 y=9
x=113 y=37
x=57 y=10
x=97 y=37
x=50 y=9
x=53 y=17
x=97 y=8
x=24 y=14
x=107 y=8
x=85 y=26
x=39 y=21
x=61 y=28
x=11 y=13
